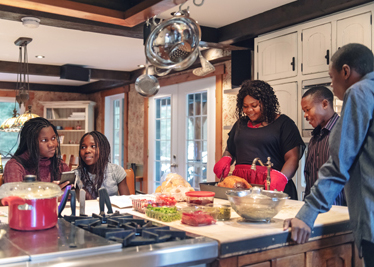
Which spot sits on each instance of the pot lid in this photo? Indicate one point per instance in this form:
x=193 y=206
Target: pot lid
x=30 y=190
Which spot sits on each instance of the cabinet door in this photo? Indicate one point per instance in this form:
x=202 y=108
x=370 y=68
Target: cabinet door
x=287 y=97
x=339 y=256
x=277 y=57
x=316 y=49
x=356 y=29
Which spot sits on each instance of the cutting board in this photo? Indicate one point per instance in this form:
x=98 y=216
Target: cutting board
x=238 y=229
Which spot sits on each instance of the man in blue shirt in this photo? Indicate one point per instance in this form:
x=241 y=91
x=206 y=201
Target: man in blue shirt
x=351 y=161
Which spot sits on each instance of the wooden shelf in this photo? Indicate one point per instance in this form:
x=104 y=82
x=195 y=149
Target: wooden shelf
x=72 y=131
x=66 y=120
x=69 y=145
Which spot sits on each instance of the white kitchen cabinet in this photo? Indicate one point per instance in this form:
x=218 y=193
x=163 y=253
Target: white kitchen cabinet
x=355 y=29
x=75 y=117
x=316 y=47
x=287 y=98
x=277 y=57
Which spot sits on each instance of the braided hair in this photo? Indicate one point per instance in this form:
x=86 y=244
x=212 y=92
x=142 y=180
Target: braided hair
x=29 y=142
x=262 y=92
x=99 y=168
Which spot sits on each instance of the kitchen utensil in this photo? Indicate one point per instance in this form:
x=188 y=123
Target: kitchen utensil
x=174 y=43
x=104 y=201
x=73 y=202
x=147 y=85
x=160 y=72
x=256 y=204
x=32 y=205
x=82 y=202
x=63 y=200
x=206 y=66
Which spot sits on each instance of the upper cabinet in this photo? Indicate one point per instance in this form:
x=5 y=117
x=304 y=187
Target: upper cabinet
x=316 y=47
x=287 y=98
x=277 y=57
x=304 y=50
x=355 y=29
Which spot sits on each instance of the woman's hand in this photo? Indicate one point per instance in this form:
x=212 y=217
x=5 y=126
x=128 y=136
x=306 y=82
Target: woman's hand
x=63 y=185
x=278 y=181
x=300 y=231
x=222 y=167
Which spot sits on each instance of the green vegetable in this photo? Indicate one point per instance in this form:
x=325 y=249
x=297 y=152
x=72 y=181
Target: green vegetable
x=165 y=214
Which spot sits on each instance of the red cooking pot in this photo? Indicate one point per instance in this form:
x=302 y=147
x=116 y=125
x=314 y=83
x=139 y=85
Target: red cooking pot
x=32 y=205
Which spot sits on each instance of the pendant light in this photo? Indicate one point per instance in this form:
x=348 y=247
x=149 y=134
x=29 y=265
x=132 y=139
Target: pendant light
x=14 y=124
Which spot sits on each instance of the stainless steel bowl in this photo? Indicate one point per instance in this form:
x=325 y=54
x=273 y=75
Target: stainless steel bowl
x=256 y=204
x=174 y=43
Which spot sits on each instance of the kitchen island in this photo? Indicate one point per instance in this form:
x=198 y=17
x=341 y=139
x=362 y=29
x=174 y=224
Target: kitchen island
x=244 y=243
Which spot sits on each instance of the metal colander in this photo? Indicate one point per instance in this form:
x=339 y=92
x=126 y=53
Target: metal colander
x=174 y=43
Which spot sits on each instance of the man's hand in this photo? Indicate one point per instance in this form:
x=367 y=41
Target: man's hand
x=300 y=231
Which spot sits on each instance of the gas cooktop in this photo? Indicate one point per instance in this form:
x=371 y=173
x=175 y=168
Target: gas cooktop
x=111 y=239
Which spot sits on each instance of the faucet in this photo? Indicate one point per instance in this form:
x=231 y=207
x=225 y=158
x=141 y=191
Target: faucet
x=253 y=166
x=268 y=178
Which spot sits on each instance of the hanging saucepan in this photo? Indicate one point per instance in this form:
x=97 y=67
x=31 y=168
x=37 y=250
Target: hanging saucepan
x=32 y=205
x=147 y=85
x=174 y=43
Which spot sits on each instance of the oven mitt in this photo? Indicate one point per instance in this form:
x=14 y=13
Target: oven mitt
x=222 y=167
x=278 y=180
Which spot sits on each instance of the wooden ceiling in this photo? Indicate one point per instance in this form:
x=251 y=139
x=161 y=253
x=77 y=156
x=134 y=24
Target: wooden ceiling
x=126 y=18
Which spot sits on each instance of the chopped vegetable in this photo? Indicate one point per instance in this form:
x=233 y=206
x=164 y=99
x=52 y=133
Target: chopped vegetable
x=165 y=214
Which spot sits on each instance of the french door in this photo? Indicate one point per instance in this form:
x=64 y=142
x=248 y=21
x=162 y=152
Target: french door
x=182 y=132
x=114 y=128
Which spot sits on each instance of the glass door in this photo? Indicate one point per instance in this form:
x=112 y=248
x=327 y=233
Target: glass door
x=181 y=117
x=114 y=110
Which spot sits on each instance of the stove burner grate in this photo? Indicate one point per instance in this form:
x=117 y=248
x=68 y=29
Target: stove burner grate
x=129 y=231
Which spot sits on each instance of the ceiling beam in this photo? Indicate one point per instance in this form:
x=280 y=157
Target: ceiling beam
x=129 y=18
x=82 y=89
x=54 y=71
x=283 y=16
x=99 y=86
x=42 y=87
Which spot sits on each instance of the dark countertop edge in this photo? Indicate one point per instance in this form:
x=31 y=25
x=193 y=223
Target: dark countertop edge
x=277 y=240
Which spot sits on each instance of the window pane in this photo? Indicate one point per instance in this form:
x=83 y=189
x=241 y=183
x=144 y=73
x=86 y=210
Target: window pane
x=197 y=134
x=198 y=128
x=190 y=105
x=8 y=140
x=197 y=104
x=205 y=128
x=204 y=102
x=158 y=108
x=190 y=127
x=163 y=135
x=158 y=129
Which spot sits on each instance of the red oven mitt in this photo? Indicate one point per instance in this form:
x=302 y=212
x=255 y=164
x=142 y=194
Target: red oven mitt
x=222 y=167
x=278 y=180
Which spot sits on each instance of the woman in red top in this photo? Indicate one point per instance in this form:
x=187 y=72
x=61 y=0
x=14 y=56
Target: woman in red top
x=38 y=153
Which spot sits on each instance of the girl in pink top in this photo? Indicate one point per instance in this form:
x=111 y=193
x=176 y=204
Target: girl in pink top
x=38 y=153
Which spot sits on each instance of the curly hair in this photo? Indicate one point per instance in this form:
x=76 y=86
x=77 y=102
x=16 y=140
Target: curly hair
x=99 y=168
x=262 y=92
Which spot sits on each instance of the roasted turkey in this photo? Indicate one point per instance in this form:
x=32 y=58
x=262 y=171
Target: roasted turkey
x=234 y=182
